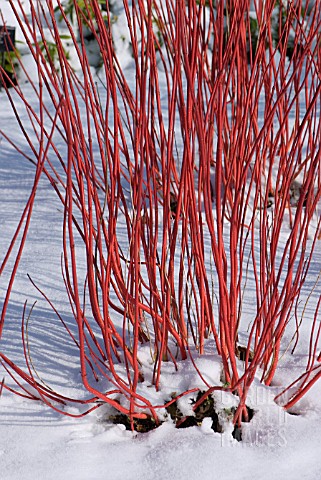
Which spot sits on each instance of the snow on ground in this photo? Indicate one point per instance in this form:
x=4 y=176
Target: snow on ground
x=38 y=443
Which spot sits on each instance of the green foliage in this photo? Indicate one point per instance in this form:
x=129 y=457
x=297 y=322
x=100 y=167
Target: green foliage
x=85 y=7
x=279 y=27
x=281 y=31
x=50 y=50
x=158 y=27
x=254 y=32
x=10 y=61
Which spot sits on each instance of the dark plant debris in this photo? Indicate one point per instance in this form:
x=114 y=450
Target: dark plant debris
x=237 y=431
x=141 y=425
x=205 y=410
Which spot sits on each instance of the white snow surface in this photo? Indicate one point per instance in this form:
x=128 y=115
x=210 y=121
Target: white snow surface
x=39 y=443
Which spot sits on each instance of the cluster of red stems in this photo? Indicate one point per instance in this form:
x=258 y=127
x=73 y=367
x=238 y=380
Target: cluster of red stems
x=166 y=180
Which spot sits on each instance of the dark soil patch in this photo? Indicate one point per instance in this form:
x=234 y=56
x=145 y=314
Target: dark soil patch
x=141 y=425
x=205 y=410
x=237 y=432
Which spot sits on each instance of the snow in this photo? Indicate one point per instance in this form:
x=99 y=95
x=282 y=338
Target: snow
x=39 y=443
